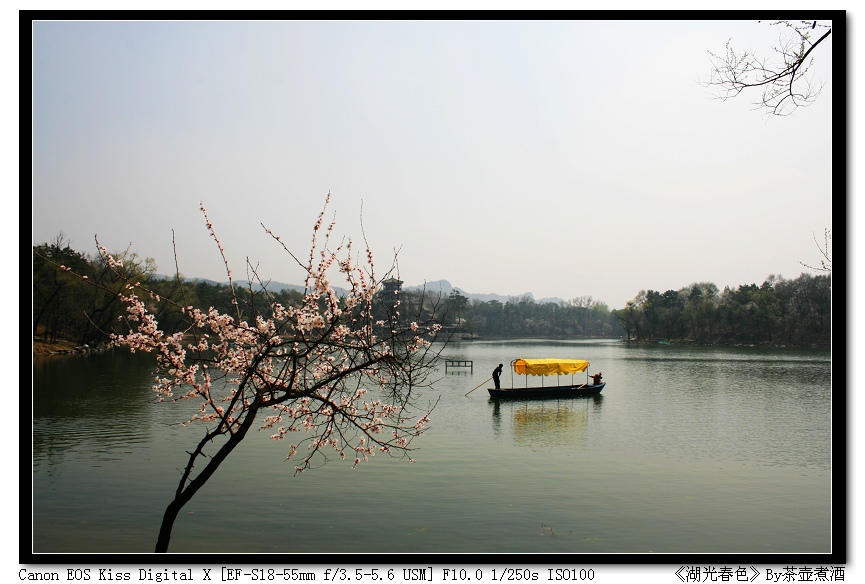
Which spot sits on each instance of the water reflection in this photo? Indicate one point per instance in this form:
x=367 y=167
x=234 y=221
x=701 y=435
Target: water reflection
x=545 y=422
x=100 y=403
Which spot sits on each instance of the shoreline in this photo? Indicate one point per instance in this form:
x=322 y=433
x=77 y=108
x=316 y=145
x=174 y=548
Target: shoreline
x=41 y=349
x=671 y=342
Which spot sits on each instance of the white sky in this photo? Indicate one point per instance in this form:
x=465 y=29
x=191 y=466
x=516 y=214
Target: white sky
x=560 y=158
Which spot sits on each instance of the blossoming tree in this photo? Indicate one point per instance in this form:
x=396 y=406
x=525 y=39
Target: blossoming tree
x=335 y=376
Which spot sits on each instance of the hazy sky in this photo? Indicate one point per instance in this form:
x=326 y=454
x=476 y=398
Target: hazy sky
x=564 y=159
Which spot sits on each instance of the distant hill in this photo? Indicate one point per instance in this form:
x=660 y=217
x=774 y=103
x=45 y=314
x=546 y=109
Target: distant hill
x=442 y=287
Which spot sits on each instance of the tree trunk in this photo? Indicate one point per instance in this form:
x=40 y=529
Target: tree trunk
x=167 y=524
x=183 y=495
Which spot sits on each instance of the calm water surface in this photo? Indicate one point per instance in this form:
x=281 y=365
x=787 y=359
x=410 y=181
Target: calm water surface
x=687 y=450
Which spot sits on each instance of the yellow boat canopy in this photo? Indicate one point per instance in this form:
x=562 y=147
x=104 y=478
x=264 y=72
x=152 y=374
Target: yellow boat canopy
x=549 y=366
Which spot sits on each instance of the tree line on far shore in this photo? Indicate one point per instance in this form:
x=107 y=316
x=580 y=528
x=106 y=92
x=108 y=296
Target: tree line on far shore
x=794 y=312
x=778 y=312
x=75 y=295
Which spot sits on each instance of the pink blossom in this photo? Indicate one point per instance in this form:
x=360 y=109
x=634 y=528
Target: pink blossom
x=324 y=369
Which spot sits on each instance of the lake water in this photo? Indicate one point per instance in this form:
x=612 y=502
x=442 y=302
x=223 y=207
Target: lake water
x=687 y=450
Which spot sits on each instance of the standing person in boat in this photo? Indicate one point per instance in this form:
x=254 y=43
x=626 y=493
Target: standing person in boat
x=496 y=373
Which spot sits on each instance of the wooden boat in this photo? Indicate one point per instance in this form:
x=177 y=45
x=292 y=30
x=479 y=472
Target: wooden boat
x=546 y=367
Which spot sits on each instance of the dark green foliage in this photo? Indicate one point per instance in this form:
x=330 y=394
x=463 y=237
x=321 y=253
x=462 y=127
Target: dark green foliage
x=523 y=317
x=57 y=295
x=75 y=295
x=779 y=312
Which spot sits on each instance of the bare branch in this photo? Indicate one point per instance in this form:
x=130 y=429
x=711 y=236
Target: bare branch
x=784 y=82
x=826 y=262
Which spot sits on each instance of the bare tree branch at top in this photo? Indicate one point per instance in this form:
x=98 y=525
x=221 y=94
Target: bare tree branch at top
x=784 y=80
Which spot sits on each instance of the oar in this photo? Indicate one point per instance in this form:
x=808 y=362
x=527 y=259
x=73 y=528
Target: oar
x=482 y=382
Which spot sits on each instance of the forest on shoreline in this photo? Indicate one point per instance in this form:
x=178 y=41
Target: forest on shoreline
x=76 y=304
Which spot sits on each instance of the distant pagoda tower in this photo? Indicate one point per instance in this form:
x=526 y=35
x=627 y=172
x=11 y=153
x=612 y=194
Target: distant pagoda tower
x=390 y=290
